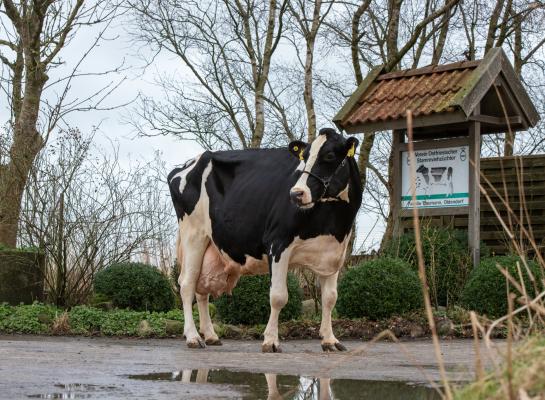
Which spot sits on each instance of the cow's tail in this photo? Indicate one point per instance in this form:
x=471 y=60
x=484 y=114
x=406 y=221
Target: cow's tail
x=179 y=255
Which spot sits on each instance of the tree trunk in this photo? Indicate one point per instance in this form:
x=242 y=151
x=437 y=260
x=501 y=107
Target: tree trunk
x=363 y=161
x=13 y=179
x=309 y=60
x=390 y=223
x=438 y=51
x=355 y=40
x=394 y=12
x=27 y=142
x=262 y=76
x=510 y=135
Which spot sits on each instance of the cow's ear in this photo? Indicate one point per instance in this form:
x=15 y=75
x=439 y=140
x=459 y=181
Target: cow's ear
x=351 y=145
x=297 y=147
x=327 y=131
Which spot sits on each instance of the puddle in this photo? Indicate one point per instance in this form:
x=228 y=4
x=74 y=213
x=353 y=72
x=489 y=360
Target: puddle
x=272 y=386
x=71 y=391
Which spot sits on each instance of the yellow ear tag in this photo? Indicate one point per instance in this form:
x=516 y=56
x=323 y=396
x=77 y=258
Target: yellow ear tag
x=301 y=155
x=352 y=150
x=295 y=148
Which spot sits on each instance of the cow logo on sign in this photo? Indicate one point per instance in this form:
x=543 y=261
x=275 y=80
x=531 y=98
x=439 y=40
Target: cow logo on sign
x=463 y=154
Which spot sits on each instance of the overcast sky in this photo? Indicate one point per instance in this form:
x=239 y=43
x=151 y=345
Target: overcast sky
x=137 y=78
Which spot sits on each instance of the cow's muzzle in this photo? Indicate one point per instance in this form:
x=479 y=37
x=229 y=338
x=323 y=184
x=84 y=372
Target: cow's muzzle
x=301 y=198
x=296 y=197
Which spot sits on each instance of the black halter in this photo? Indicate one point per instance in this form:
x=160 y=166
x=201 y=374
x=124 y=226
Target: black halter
x=326 y=181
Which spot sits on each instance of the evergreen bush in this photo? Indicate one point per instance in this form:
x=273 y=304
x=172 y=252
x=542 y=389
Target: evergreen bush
x=250 y=303
x=486 y=292
x=446 y=258
x=136 y=286
x=379 y=289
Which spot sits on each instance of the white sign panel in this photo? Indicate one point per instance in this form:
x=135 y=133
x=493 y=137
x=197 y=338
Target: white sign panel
x=442 y=178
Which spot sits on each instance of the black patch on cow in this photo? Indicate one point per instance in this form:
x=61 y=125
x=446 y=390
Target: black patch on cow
x=250 y=208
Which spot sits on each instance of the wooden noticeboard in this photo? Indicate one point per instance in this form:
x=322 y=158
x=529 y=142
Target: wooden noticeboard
x=452 y=106
x=448 y=180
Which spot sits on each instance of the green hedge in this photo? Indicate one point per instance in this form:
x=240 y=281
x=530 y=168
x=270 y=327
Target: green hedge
x=39 y=318
x=379 y=289
x=136 y=286
x=34 y=318
x=446 y=258
x=486 y=291
x=250 y=303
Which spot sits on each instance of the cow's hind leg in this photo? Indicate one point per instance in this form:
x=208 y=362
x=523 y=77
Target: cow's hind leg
x=206 y=326
x=191 y=248
x=329 y=298
x=278 y=299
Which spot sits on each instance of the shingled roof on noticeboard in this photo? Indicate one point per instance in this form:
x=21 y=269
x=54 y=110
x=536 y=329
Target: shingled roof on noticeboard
x=451 y=90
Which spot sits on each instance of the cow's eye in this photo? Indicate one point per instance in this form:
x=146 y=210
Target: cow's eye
x=329 y=157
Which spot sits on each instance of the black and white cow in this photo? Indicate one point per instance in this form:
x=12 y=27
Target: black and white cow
x=257 y=211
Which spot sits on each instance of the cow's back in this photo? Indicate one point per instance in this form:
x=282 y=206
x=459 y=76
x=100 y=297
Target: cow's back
x=246 y=190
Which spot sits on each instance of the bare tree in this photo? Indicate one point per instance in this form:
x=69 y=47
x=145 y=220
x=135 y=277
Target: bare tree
x=515 y=25
x=376 y=33
x=226 y=48
x=86 y=211
x=33 y=35
x=308 y=16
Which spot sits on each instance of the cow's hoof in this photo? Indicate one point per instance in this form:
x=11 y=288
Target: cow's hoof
x=213 y=342
x=196 y=343
x=271 y=348
x=340 y=346
x=327 y=347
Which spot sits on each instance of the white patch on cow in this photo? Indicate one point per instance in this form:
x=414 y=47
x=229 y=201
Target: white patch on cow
x=342 y=196
x=301 y=184
x=328 y=286
x=278 y=299
x=301 y=166
x=323 y=254
x=195 y=231
x=183 y=174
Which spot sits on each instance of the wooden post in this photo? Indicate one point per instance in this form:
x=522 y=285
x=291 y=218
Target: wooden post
x=474 y=218
x=398 y=137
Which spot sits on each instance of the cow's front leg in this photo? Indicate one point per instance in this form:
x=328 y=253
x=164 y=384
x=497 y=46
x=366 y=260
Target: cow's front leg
x=278 y=299
x=206 y=326
x=329 y=298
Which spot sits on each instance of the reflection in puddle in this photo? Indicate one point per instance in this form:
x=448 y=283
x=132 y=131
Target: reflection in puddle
x=72 y=391
x=276 y=387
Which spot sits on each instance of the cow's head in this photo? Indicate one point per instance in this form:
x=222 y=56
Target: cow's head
x=325 y=167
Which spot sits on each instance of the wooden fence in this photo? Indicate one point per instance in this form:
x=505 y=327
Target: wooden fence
x=520 y=181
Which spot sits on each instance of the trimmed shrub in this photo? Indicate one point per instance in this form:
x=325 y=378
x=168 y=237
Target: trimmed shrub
x=250 y=304
x=486 y=292
x=446 y=257
x=136 y=286
x=379 y=289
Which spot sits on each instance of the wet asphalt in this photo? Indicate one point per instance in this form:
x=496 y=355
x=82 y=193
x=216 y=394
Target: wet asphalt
x=109 y=368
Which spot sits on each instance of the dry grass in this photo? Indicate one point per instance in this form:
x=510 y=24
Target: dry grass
x=520 y=373
x=523 y=377
x=421 y=268
x=61 y=324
